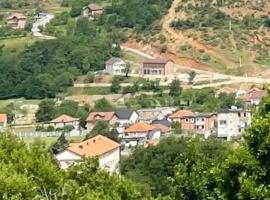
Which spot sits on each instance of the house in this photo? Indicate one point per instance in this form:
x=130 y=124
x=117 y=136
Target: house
x=126 y=117
x=151 y=114
x=115 y=66
x=231 y=123
x=65 y=120
x=92 y=10
x=138 y=133
x=16 y=20
x=205 y=122
x=3 y=121
x=164 y=125
x=93 y=117
x=104 y=149
x=162 y=67
x=253 y=97
x=185 y=117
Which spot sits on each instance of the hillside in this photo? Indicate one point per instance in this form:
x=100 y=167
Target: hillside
x=226 y=36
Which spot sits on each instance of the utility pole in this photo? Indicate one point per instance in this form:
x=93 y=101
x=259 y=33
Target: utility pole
x=230 y=26
x=240 y=62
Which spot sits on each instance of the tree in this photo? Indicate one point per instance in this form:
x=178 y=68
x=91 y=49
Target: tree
x=46 y=111
x=101 y=127
x=60 y=145
x=103 y=105
x=175 y=89
x=176 y=127
x=127 y=70
x=192 y=75
x=115 y=87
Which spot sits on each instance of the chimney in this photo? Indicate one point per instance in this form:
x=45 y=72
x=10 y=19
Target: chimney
x=87 y=143
x=94 y=141
x=80 y=146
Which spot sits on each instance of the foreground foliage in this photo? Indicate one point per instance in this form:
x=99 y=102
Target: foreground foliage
x=31 y=173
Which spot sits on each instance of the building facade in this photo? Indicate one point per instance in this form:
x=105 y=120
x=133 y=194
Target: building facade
x=115 y=66
x=232 y=123
x=92 y=10
x=93 y=117
x=158 y=67
x=65 y=120
x=16 y=20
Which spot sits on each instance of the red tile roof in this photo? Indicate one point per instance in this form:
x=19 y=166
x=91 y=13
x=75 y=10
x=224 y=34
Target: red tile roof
x=16 y=15
x=182 y=114
x=3 y=118
x=94 y=7
x=95 y=146
x=104 y=116
x=64 y=119
x=140 y=127
x=162 y=128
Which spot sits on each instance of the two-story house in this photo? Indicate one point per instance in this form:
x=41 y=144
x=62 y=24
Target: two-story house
x=159 y=67
x=185 y=117
x=115 y=66
x=16 y=20
x=104 y=149
x=205 y=122
x=126 y=117
x=92 y=10
x=138 y=133
x=93 y=117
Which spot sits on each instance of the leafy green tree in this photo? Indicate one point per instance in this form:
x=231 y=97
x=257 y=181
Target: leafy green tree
x=60 y=145
x=115 y=87
x=176 y=127
x=175 y=88
x=103 y=105
x=101 y=127
x=46 y=111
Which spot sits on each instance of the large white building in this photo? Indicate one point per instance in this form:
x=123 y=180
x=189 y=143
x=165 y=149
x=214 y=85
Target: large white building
x=115 y=66
x=104 y=149
x=232 y=123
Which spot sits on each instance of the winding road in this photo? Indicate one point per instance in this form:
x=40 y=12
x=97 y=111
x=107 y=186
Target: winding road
x=42 y=23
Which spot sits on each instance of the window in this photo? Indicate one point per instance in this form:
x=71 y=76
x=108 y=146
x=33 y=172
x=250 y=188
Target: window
x=222 y=122
x=245 y=114
x=186 y=119
x=239 y=114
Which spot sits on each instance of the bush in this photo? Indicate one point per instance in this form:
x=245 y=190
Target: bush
x=90 y=77
x=50 y=128
x=75 y=11
x=68 y=128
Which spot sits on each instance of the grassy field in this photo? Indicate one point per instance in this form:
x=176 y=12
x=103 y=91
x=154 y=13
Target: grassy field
x=16 y=45
x=18 y=102
x=50 y=140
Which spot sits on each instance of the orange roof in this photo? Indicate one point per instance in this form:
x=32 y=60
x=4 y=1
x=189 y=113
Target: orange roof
x=64 y=119
x=104 y=116
x=3 y=118
x=140 y=127
x=182 y=114
x=16 y=15
x=95 y=146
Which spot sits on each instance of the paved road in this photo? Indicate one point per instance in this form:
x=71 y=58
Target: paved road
x=203 y=75
x=42 y=23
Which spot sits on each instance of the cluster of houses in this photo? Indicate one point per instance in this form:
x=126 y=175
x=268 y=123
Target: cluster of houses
x=145 y=127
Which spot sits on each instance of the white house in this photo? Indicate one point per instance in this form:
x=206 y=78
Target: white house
x=3 y=121
x=232 y=123
x=126 y=117
x=65 y=120
x=115 y=66
x=104 y=149
x=138 y=133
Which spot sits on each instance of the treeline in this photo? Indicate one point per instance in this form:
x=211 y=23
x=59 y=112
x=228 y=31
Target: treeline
x=29 y=173
x=48 y=67
x=197 y=168
x=138 y=14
